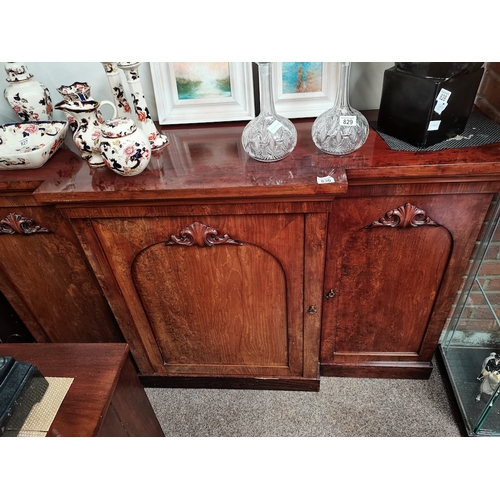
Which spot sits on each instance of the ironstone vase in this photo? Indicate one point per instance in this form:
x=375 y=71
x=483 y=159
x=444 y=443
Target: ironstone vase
x=114 y=80
x=342 y=129
x=29 y=98
x=145 y=122
x=268 y=137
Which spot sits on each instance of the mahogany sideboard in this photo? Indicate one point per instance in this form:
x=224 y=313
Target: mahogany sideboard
x=105 y=399
x=223 y=271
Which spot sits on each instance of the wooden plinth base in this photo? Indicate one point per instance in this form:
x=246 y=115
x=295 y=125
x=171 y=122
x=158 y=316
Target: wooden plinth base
x=288 y=384
x=421 y=371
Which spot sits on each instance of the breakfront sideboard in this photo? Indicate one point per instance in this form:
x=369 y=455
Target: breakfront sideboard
x=212 y=263
x=221 y=271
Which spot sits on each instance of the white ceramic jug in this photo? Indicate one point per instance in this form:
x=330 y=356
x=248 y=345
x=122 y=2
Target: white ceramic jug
x=87 y=135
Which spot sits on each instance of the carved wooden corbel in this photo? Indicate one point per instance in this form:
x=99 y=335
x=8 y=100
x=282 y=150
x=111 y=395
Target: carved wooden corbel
x=15 y=223
x=200 y=235
x=404 y=216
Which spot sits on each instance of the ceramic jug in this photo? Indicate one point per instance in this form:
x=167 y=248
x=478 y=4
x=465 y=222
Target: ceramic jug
x=125 y=148
x=88 y=132
x=78 y=91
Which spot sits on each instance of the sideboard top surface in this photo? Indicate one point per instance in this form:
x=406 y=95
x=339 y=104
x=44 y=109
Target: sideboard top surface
x=208 y=162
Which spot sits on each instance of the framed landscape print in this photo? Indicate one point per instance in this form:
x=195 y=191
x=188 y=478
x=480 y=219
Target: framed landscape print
x=304 y=89
x=203 y=92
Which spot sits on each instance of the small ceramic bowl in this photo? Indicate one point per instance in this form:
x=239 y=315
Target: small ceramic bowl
x=28 y=145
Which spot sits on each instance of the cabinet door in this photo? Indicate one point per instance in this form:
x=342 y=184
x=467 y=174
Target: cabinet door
x=393 y=267
x=46 y=278
x=214 y=295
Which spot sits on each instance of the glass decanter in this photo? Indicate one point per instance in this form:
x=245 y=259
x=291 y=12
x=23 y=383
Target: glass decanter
x=342 y=129
x=269 y=136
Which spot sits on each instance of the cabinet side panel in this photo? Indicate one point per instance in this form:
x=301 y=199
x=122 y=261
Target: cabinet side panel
x=130 y=412
x=48 y=270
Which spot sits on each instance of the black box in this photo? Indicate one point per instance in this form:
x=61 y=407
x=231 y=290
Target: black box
x=15 y=377
x=423 y=111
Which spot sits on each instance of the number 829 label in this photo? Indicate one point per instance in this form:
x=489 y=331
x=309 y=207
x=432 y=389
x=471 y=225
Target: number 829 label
x=348 y=121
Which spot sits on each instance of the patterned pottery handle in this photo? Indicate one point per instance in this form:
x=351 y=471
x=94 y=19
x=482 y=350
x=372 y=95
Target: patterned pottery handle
x=115 y=112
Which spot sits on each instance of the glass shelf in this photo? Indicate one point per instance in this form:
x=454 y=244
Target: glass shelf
x=464 y=346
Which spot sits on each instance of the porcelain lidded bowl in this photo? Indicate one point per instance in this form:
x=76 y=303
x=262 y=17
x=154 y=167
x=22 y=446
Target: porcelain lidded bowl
x=125 y=148
x=28 y=145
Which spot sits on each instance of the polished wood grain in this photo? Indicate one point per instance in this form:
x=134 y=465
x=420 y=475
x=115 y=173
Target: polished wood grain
x=314 y=265
x=105 y=398
x=215 y=381
x=27 y=180
x=235 y=308
x=374 y=273
x=220 y=309
x=394 y=286
x=362 y=302
x=207 y=162
x=200 y=164
x=54 y=283
x=233 y=325
x=43 y=272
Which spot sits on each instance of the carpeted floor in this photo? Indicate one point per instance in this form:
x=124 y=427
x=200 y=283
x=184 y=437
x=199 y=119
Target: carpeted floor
x=343 y=407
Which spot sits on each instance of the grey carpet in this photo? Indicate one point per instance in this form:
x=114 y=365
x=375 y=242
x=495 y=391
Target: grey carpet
x=343 y=407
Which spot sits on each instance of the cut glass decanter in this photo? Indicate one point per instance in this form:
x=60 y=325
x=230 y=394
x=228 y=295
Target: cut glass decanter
x=268 y=137
x=342 y=129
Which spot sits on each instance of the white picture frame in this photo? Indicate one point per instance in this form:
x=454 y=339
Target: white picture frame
x=305 y=104
x=172 y=110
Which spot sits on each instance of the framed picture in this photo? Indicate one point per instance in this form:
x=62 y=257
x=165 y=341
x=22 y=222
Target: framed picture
x=203 y=92
x=304 y=89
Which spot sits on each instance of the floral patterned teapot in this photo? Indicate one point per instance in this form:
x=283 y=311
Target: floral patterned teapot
x=125 y=149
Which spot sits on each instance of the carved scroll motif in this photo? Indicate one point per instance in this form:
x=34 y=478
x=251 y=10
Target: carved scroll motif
x=404 y=216
x=200 y=235
x=15 y=223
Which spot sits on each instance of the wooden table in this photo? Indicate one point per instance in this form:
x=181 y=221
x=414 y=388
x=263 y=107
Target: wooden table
x=105 y=398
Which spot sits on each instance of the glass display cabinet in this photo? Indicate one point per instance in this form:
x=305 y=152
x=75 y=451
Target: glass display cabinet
x=470 y=346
